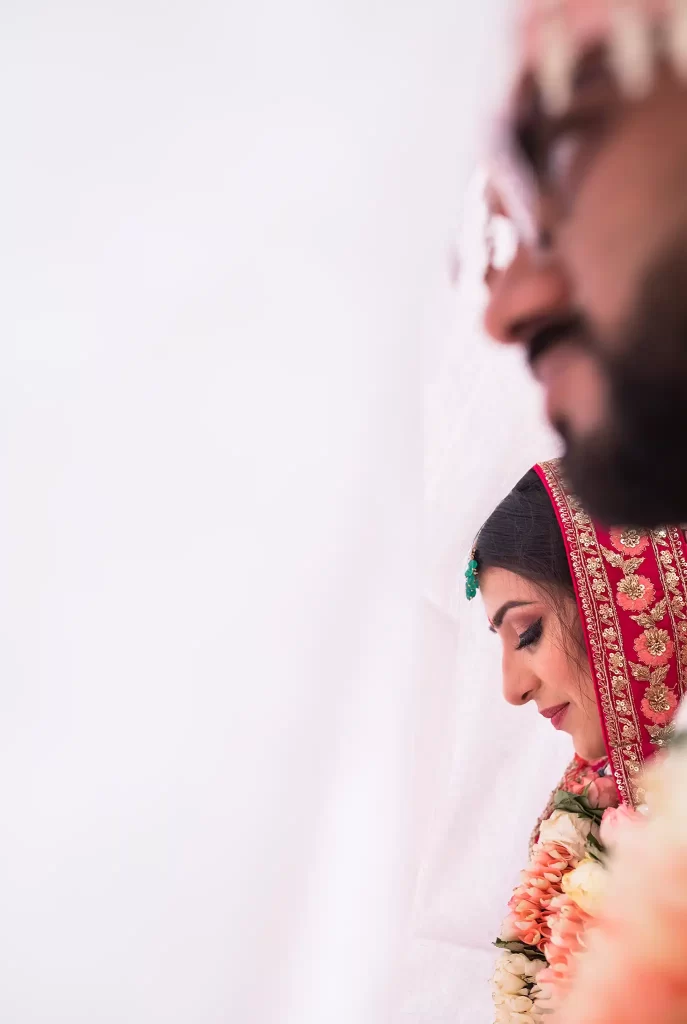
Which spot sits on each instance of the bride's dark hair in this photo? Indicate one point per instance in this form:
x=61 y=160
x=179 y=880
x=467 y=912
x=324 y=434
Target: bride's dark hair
x=522 y=535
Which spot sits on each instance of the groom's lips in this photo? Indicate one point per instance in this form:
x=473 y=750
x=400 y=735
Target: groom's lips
x=556 y=714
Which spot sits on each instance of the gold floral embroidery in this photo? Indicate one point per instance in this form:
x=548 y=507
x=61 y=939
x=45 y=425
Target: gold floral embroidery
x=629 y=540
x=661 y=734
x=673 y=567
x=659 y=702
x=606 y=612
x=635 y=593
x=602 y=637
x=654 y=646
x=607 y=601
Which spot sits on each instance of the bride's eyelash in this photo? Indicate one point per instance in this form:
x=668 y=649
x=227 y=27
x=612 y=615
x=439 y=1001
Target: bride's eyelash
x=531 y=635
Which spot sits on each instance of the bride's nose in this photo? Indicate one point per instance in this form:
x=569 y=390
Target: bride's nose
x=519 y=682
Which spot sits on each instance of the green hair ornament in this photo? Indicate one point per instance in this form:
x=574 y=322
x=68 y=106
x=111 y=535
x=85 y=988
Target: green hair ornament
x=471 y=581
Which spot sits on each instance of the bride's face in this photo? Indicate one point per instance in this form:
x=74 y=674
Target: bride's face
x=543 y=660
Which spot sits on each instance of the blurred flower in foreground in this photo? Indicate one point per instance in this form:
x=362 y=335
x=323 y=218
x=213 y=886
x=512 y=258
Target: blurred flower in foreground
x=633 y=969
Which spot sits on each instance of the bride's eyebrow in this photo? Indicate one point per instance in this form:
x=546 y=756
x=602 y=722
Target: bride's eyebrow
x=500 y=615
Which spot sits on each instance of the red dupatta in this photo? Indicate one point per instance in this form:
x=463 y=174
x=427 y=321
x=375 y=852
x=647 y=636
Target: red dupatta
x=631 y=589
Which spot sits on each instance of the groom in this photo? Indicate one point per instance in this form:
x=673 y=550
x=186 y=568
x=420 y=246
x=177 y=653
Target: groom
x=592 y=169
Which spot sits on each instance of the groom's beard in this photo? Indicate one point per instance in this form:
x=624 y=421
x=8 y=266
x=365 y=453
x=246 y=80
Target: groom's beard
x=634 y=469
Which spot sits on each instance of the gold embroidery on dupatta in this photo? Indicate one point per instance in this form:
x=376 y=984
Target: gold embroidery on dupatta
x=678 y=590
x=654 y=646
x=603 y=634
x=660 y=619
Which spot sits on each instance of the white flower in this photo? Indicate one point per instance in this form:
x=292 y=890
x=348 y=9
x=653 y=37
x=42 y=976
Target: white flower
x=518 y=963
x=586 y=885
x=508 y=984
x=511 y=985
x=504 y=1015
x=515 y=995
x=520 y=1004
x=541 y=999
x=535 y=967
x=569 y=830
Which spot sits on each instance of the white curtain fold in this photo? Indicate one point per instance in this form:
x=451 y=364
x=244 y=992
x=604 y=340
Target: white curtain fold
x=223 y=225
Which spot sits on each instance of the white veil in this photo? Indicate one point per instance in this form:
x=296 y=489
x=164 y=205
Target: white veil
x=221 y=223
x=493 y=765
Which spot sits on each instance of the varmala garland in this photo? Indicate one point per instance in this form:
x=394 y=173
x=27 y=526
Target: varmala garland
x=603 y=941
x=633 y=969
x=558 y=896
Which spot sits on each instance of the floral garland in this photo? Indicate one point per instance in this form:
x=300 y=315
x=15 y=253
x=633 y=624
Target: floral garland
x=634 y=968
x=558 y=895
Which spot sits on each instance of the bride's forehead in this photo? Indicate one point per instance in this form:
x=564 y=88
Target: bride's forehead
x=499 y=585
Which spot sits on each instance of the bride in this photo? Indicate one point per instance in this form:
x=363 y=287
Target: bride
x=593 y=629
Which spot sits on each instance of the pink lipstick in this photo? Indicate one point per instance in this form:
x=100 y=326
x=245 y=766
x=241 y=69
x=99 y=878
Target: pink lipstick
x=556 y=714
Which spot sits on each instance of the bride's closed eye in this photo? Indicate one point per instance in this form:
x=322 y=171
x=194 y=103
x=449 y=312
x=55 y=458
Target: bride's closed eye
x=531 y=635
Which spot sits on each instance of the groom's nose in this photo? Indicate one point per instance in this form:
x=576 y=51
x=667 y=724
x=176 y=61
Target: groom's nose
x=532 y=290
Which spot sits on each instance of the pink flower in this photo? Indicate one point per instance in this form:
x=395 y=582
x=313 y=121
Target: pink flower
x=654 y=647
x=509 y=932
x=635 y=593
x=629 y=541
x=577 y=786
x=614 y=823
x=567 y=924
x=576 y=771
x=541 y=882
x=577 y=782
x=634 y=968
x=603 y=792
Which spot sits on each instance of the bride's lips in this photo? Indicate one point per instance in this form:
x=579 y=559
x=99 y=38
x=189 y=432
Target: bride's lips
x=556 y=714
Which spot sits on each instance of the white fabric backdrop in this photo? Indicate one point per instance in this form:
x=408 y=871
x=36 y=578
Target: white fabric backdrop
x=494 y=765
x=221 y=225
